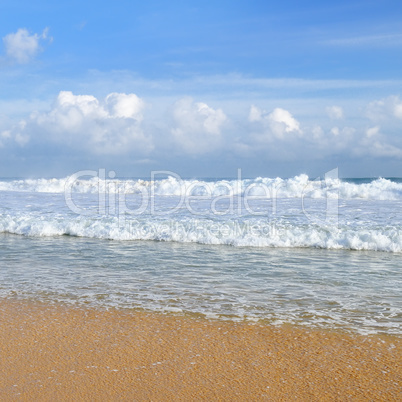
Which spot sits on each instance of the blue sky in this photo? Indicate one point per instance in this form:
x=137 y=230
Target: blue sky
x=201 y=88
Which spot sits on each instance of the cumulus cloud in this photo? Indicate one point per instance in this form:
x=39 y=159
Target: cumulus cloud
x=108 y=126
x=281 y=136
x=275 y=134
x=278 y=124
x=283 y=122
x=197 y=128
x=335 y=112
x=23 y=47
x=116 y=125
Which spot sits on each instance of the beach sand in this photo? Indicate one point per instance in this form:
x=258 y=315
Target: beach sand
x=59 y=353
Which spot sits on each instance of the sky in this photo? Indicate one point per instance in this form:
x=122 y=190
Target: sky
x=201 y=89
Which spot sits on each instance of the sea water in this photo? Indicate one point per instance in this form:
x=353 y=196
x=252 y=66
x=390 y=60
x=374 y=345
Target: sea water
x=321 y=253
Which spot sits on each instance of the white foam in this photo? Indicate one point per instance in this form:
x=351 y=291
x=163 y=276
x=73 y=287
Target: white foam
x=296 y=187
x=251 y=233
x=295 y=212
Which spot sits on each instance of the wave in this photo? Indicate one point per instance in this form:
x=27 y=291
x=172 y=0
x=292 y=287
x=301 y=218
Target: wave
x=298 y=186
x=246 y=233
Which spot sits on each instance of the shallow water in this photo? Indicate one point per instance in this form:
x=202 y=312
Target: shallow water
x=335 y=289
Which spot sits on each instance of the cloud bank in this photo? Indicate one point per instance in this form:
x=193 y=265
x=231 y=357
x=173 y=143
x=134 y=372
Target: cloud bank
x=124 y=126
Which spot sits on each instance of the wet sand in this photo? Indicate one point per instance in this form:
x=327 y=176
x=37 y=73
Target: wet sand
x=53 y=353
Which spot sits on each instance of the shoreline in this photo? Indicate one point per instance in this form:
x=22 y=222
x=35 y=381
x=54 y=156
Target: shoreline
x=59 y=352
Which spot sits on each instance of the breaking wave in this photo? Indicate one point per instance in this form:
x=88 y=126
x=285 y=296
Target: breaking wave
x=252 y=233
x=295 y=212
x=298 y=186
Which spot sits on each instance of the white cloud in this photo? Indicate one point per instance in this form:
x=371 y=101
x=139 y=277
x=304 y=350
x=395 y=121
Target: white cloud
x=108 y=126
x=4 y=137
x=197 y=128
x=385 y=109
x=380 y=149
x=335 y=112
x=117 y=125
x=340 y=139
x=16 y=135
x=23 y=47
x=279 y=123
x=372 y=131
x=275 y=134
x=283 y=122
x=335 y=131
x=255 y=114
x=375 y=143
x=397 y=110
x=326 y=141
x=125 y=106
x=317 y=132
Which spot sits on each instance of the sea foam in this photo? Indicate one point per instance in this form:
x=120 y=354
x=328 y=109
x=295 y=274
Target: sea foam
x=261 y=212
x=302 y=185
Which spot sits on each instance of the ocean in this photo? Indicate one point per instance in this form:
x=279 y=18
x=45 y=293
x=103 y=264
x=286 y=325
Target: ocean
x=324 y=253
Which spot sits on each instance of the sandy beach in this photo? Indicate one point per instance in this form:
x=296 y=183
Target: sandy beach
x=59 y=353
